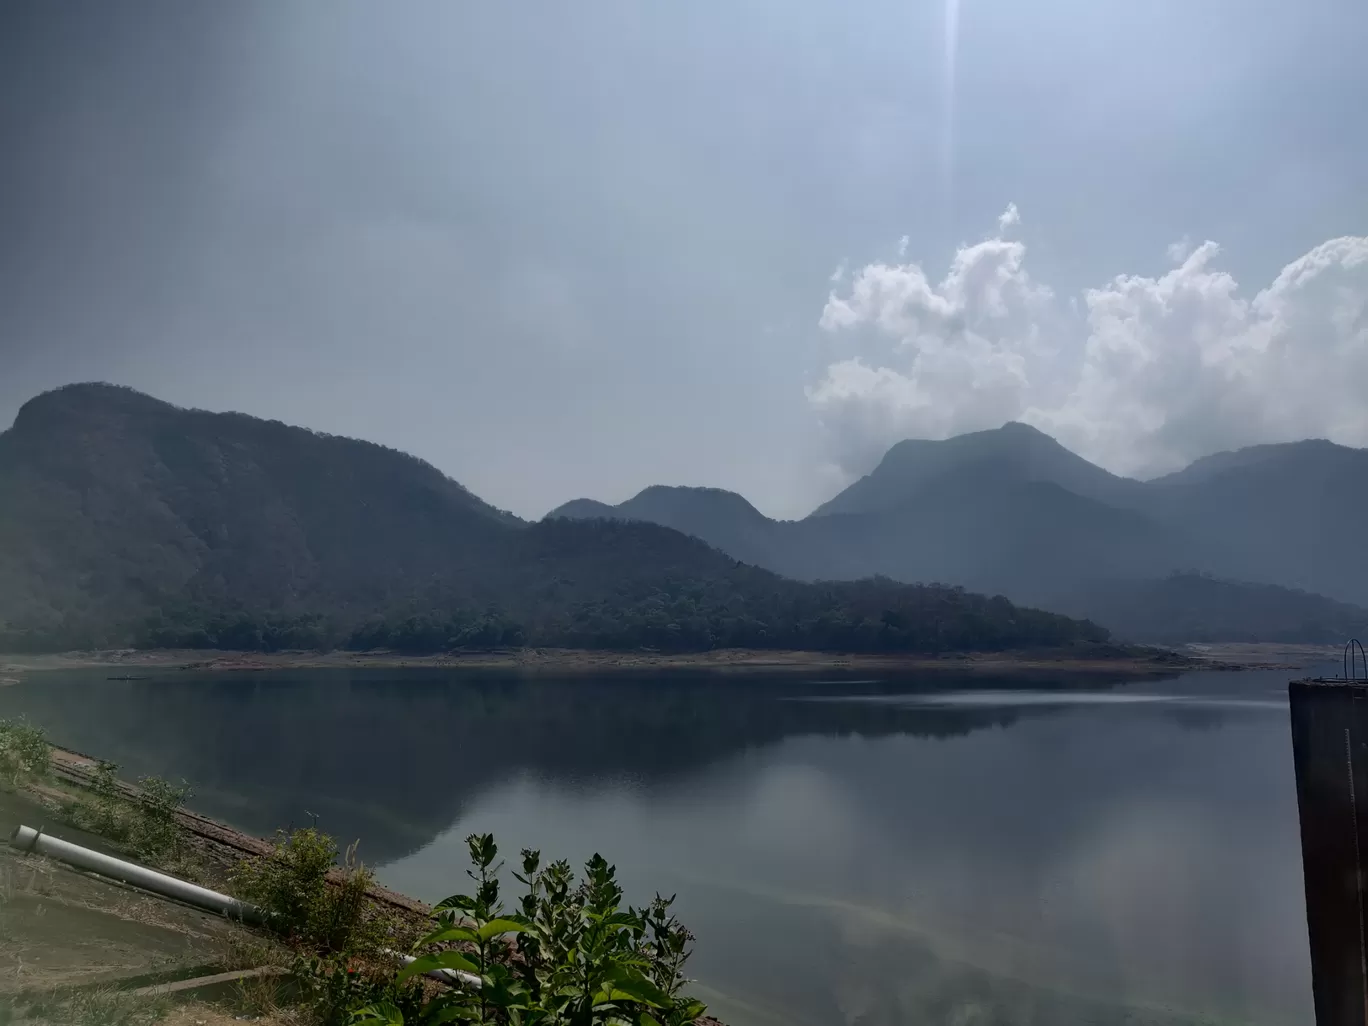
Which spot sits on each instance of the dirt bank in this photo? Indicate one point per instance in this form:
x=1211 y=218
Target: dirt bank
x=61 y=927
x=165 y=937
x=217 y=844
x=1138 y=662
x=1267 y=654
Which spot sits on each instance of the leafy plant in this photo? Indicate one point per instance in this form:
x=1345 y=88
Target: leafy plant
x=154 y=833
x=291 y=883
x=145 y=820
x=334 y=984
x=580 y=958
x=110 y=804
x=24 y=753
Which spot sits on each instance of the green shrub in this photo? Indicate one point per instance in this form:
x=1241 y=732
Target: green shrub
x=154 y=833
x=25 y=754
x=330 y=986
x=580 y=959
x=108 y=813
x=291 y=885
x=145 y=822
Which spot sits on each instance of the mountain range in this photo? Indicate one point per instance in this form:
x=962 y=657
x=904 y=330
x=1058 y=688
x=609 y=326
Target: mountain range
x=124 y=519
x=127 y=519
x=1010 y=511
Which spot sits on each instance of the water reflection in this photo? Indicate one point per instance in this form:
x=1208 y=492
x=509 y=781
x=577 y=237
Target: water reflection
x=394 y=758
x=852 y=852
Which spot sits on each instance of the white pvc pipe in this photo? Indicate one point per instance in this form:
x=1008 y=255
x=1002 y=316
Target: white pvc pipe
x=28 y=839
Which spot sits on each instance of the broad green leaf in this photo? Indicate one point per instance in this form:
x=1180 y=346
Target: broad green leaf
x=382 y=1014
x=495 y=927
x=498 y=972
x=441 y=960
x=637 y=987
x=447 y=1013
x=647 y=1019
x=446 y=935
x=693 y=1010
x=464 y=902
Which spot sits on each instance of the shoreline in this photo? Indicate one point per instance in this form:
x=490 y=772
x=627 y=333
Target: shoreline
x=217 y=842
x=219 y=846
x=1130 y=662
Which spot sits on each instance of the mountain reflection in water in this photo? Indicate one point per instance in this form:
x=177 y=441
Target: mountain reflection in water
x=852 y=851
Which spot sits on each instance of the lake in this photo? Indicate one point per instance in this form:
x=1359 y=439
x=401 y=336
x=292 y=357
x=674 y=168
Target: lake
x=860 y=851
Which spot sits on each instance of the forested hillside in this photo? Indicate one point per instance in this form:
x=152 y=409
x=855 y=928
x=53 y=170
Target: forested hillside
x=1011 y=511
x=125 y=520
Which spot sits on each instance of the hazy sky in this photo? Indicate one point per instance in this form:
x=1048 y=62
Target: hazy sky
x=573 y=249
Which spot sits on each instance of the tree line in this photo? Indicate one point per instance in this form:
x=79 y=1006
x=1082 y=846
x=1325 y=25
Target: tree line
x=875 y=615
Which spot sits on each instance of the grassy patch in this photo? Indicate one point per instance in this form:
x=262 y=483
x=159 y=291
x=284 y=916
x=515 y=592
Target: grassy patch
x=25 y=755
x=143 y=820
x=94 y=1006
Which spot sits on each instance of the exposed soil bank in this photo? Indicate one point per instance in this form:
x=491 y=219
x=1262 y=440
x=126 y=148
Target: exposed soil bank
x=217 y=847
x=1132 y=661
x=61 y=927
x=1267 y=654
x=216 y=844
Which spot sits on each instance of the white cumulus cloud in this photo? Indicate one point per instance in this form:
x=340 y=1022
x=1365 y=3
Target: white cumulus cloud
x=1140 y=374
x=1180 y=250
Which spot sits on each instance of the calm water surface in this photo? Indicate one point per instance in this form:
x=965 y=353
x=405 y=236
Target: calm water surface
x=847 y=851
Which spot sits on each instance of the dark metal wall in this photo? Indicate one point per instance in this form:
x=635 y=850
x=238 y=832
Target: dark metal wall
x=1330 y=749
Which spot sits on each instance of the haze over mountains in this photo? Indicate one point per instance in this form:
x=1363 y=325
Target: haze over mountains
x=126 y=519
x=1011 y=511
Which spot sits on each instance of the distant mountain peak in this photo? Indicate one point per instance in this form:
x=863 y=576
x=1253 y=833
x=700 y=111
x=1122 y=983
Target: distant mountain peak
x=1022 y=428
x=83 y=399
x=1307 y=453
x=700 y=497
x=97 y=390
x=583 y=509
x=699 y=489
x=1013 y=433
x=1014 y=451
x=96 y=422
x=666 y=503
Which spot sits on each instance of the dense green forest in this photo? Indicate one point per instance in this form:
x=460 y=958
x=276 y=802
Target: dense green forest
x=127 y=521
x=691 y=615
